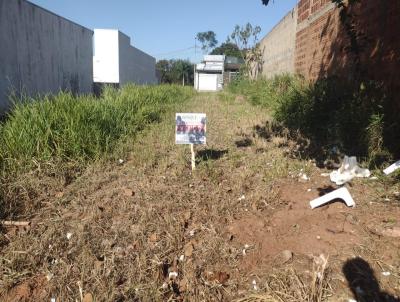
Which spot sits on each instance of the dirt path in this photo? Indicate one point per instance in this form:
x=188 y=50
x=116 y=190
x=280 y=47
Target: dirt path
x=150 y=230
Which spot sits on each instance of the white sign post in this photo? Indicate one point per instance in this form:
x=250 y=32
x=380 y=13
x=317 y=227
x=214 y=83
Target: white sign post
x=190 y=129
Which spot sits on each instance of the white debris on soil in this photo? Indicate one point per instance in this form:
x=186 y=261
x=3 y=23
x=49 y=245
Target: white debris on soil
x=309 y=190
x=325 y=174
x=255 y=287
x=246 y=247
x=165 y=285
x=49 y=276
x=241 y=198
x=303 y=177
x=348 y=170
x=173 y=275
x=120 y=161
x=341 y=193
x=392 y=168
x=182 y=258
x=69 y=235
x=386 y=274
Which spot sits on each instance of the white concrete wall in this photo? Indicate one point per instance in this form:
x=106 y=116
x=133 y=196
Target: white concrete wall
x=278 y=47
x=135 y=66
x=41 y=52
x=116 y=61
x=106 y=56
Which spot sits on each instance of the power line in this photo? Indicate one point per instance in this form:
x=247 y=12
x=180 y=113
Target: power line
x=177 y=51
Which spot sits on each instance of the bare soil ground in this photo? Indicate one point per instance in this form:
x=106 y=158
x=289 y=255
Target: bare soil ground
x=238 y=228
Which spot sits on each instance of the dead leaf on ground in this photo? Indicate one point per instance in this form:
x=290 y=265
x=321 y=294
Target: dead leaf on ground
x=393 y=232
x=59 y=194
x=153 y=237
x=183 y=285
x=187 y=215
x=129 y=192
x=88 y=298
x=189 y=249
x=220 y=277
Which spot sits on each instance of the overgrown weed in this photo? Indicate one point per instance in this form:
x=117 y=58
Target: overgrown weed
x=356 y=118
x=57 y=136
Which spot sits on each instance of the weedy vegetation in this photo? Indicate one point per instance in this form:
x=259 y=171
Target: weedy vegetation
x=357 y=119
x=59 y=135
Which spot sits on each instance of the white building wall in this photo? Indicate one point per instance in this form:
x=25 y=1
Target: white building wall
x=41 y=52
x=116 y=61
x=106 y=56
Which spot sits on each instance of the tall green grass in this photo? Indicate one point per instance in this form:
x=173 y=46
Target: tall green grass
x=356 y=117
x=65 y=128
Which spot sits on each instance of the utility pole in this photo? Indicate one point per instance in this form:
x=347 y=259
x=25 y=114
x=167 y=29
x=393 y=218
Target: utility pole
x=194 y=63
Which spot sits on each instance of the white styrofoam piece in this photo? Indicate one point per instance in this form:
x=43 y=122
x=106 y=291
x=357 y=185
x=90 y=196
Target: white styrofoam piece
x=341 y=193
x=348 y=170
x=392 y=168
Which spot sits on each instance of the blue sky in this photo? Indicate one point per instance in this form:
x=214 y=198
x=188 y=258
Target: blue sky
x=167 y=28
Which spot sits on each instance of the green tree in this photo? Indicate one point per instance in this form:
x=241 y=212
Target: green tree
x=175 y=72
x=246 y=39
x=227 y=49
x=163 y=70
x=208 y=40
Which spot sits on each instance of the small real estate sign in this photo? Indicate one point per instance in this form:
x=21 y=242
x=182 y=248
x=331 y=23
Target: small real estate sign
x=190 y=128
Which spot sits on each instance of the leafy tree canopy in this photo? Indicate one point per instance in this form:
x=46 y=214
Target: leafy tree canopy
x=228 y=49
x=208 y=40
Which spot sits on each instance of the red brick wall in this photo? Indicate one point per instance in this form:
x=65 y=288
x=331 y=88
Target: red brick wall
x=323 y=44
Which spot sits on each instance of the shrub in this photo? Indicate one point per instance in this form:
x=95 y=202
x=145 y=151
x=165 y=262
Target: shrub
x=354 y=117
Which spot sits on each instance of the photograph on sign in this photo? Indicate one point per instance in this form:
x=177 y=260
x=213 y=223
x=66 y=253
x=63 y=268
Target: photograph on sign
x=190 y=128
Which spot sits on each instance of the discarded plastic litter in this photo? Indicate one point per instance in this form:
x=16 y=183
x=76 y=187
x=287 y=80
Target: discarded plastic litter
x=173 y=275
x=348 y=170
x=303 y=177
x=255 y=287
x=341 y=193
x=241 y=198
x=392 y=168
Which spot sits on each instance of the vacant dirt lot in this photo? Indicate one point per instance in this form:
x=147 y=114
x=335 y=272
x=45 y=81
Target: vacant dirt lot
x=238 y=228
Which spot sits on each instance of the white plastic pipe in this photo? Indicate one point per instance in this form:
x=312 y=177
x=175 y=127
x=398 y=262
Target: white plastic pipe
x=341 y=193
x=392 y=168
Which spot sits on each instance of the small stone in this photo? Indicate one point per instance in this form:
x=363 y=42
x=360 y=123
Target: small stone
x=69 y=235
x=129 y=192
x=285 y=256
x=386 y=274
